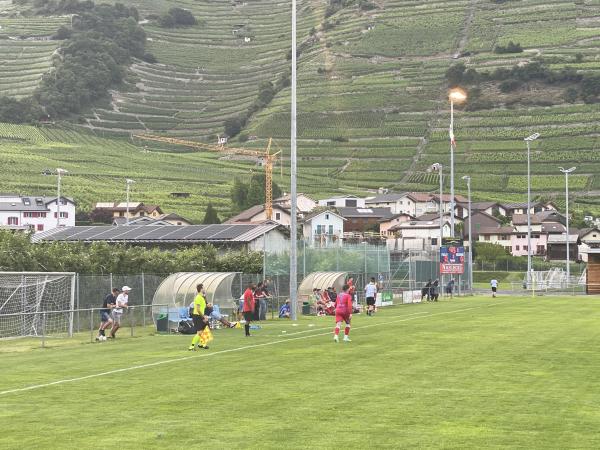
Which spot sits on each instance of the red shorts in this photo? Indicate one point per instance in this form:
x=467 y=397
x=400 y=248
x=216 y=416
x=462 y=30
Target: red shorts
x=342 y=318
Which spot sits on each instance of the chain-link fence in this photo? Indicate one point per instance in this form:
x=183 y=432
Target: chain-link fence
x=361 y=261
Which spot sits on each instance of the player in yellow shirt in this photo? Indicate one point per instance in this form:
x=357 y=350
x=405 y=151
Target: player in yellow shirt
x=199 y=319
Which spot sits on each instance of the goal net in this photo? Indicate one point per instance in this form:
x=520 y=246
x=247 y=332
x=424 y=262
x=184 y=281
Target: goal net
x=36 y=303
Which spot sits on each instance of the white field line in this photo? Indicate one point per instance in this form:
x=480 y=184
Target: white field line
x=331 y=327
x=220 y=352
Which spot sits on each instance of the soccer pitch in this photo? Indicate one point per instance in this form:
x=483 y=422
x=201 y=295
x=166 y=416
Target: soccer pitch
x=476 y=372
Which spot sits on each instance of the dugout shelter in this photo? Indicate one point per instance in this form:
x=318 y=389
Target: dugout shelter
x=177 y=291
x=321 y=280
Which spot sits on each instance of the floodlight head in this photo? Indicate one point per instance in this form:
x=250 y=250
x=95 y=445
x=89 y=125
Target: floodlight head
x=563 y=170
x=129 y=181
x=533 y=137
x=436 y=166
x=457 y=95
x=466 y=177
x=60 y=171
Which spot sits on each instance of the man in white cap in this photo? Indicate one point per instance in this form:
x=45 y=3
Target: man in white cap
x=117 y=311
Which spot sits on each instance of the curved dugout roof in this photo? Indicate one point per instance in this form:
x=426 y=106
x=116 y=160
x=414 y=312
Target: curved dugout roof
x=179 y=289
x=322 y=280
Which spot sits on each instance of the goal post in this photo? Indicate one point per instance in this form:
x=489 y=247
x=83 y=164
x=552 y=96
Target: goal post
x=36 y=303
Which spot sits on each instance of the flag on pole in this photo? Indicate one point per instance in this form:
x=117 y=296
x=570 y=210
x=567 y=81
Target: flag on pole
x=452 y=138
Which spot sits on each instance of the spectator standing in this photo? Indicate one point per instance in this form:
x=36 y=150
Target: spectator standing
x=370 y=295
x=121 y=302
x=434 y=291
x=494 y=284
x=105 y=313
x=258 y=297
x=450 y=287
x=248 y=309
x=425 y=290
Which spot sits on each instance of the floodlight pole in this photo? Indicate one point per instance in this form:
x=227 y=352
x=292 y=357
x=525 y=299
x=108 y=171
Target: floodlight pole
x=439 y=168
x=468 y=179
x=293 y=169
x=59 y=172
x=451 y=168
x=528 y=140
x=567 y=172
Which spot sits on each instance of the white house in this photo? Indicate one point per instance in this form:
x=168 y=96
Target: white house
x=351 y=201
x=414 y=203
x=35 y=213
x=258 y=214
x=304 y=203
x=323 y=227
x=424 y=232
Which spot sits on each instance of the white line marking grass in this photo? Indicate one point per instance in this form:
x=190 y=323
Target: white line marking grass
x=220 y=352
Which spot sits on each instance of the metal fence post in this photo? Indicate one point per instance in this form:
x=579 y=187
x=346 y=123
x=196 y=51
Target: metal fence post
x=91 y=325
x=143 y=300
x=43 y=329
x=77 y=294
x=132 y=320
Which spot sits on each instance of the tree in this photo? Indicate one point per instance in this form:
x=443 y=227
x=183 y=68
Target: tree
x=177 y=17
x=239 y=194
x=211 y=215
x=485 y=251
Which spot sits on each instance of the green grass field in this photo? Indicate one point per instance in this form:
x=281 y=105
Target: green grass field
x=469 y=373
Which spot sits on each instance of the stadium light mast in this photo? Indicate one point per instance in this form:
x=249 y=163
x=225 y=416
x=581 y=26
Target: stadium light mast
x=468 y=179
x=439 y=168
x=528 y=140
x=128 y=183
x=567 y=172
x=59 y=172
x=293 y=174
x=459 y=96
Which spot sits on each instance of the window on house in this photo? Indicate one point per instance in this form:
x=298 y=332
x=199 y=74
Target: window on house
x=487 y=238
x=330 y=229
x=13 y=221
x=434 y=241
x=178 y=223
x=26 y=202
x=517 y=248
x=540 y=250
x=318 y=229
x=326 y=216
x=63 y=215
x=277 y=216
x=525 y=247
x=331 y=203
x=40 y=227
x=63 y=201
x=121 y=214
x=351 y=203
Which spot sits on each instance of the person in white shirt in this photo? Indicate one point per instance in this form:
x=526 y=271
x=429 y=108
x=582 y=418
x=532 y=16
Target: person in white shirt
x=494 y=284
x=370 y=294
x=117 y=312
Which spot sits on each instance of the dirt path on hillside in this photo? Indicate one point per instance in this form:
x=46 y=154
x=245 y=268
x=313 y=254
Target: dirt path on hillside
x=433 y=119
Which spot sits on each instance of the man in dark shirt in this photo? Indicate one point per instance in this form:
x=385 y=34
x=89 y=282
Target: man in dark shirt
x=105 y=320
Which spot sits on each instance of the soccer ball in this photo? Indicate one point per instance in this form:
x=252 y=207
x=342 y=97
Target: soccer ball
x=102 y=338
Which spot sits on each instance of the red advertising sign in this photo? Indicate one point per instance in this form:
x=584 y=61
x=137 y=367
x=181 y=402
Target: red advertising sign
x=452 y=260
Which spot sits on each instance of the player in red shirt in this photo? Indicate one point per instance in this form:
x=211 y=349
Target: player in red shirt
x=248 y=306
x=343 y=313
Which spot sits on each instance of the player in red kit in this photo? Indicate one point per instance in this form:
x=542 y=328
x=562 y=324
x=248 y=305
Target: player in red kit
x=343 y=313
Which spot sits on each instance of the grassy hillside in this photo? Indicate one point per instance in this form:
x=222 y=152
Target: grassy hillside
x=372 y=98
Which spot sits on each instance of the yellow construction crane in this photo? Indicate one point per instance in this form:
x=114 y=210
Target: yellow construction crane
x=268 y=158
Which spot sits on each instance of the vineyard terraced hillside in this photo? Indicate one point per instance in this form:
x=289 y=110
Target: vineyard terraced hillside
x=372 y=96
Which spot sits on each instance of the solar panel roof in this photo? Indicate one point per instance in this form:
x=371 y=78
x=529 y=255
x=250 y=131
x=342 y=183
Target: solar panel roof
x=133 y=233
